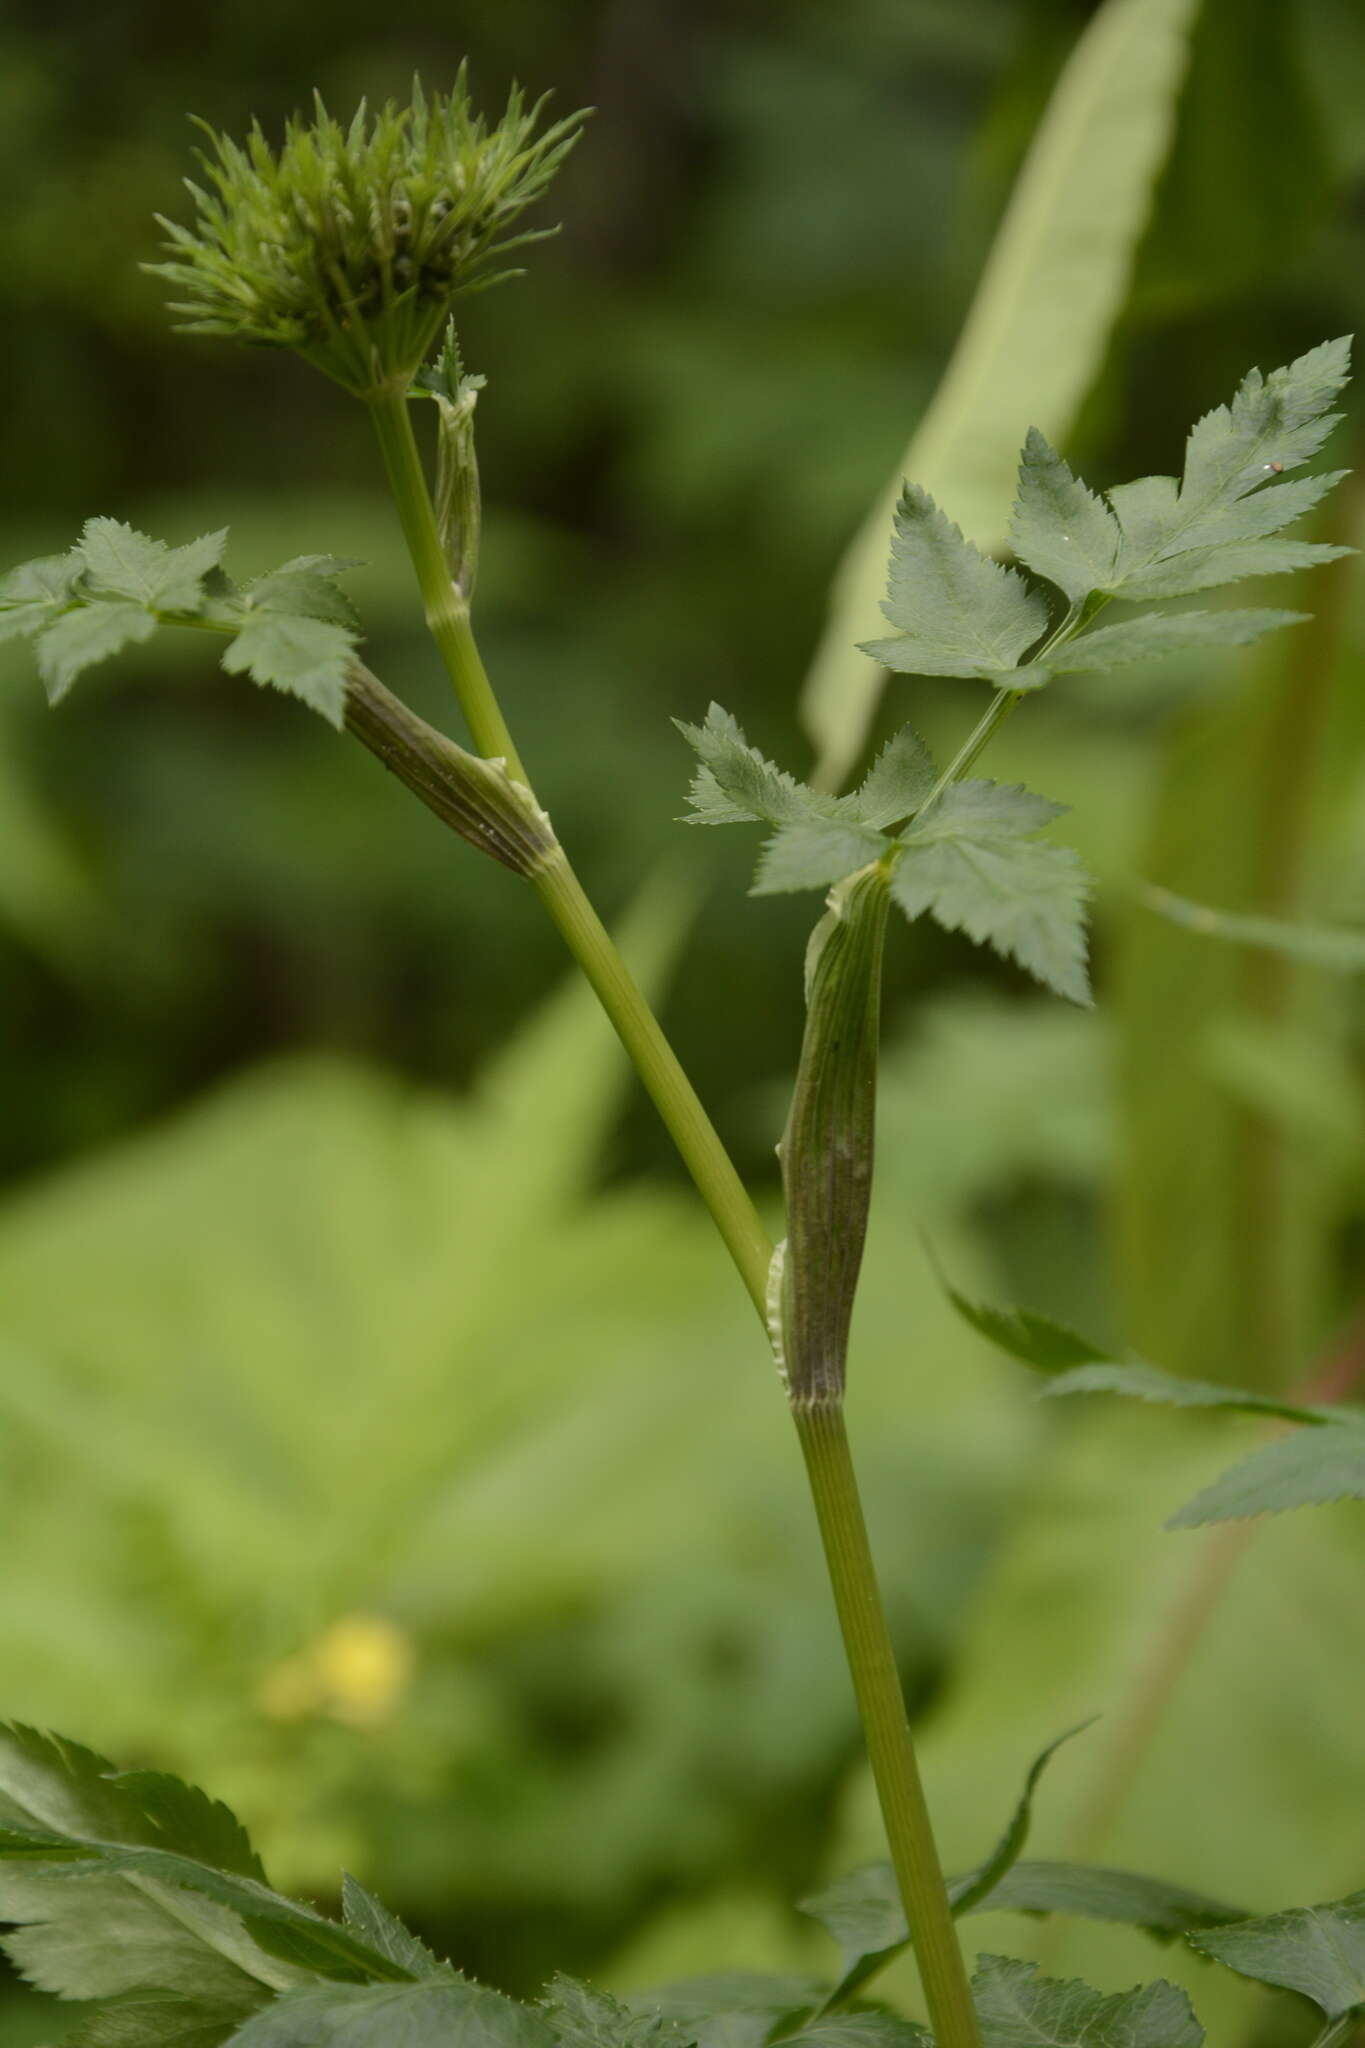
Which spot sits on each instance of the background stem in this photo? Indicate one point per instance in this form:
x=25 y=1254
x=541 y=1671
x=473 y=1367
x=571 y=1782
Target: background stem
x=881 y=1704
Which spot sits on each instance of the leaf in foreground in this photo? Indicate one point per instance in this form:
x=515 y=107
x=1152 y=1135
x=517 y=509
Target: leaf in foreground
x=156 y=2019
x=106 y=1876
x=583 y=2017
x=732 y=2008
x=430 y=2015
x=1318 y=1950
x=1019 y=2009
x=975 y=864
x=957 y=613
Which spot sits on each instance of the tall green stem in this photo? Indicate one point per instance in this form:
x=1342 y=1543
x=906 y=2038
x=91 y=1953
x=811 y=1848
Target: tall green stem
x=447 y=615
x=881 y=1705
x=821 y=1432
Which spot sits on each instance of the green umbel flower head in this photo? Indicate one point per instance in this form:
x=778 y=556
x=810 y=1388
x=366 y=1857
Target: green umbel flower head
x=350 y=243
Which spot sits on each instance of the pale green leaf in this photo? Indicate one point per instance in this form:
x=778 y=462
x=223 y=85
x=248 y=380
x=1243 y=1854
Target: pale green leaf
x=969 y=1892
x=18 y=621
x=1019 y=2009
x=1256 y=517
x=85 y=1936
x=1229 y=491
x=1060 y=529
x=863 y=1911
x=1153 y=634
x=307 y=588
x=856 y=2030
x=582 y=2017
x=1319 y=945
x=78 y=640
x=157 y=2019
x=1317 y=1950
x=897 y=783
x=1166 y=1389
x=1037 y=1340
x=383 y=1932
x=1307 y=1469
x=736 y=785
x=1092 y=1891
x=1273 y=423
x=129 y=564
x=732 y=2009
x=186 y=1820
x=815 y=853
x=48 y=580
x=308 y=658
x=57 y=1787
x=1036 y=332
x=430 y=2015
x=973 y=866
x=1203 y=568
x=957 y=612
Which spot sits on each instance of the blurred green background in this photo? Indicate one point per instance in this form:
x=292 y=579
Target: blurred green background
x=384 y=1441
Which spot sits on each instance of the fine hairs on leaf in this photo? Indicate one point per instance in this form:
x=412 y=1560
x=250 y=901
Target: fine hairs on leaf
x=956 y=613
x=968 y=856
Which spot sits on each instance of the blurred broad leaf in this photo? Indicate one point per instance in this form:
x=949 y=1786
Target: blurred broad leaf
x=1037 y=330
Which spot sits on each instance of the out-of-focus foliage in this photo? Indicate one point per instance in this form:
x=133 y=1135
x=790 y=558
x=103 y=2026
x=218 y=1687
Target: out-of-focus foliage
x=384 y=1438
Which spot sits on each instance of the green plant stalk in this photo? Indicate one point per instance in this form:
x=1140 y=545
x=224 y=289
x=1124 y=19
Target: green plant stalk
x=823 y=1439
x=881 y=1705
x=447 y=616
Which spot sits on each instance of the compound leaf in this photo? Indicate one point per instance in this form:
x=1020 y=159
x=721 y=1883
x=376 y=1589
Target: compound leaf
x=974 y=866
x=736 y=785
x=383 y=1932
x=897 y=783
x=585 y=2018
x=1203 y=568
x=1232 y=458
x=306 y=587
x=1019 y=2009
x=78 y=640
x=1153 y=634
x=185 y=1819
x=1318 y=1950
x=429 y=2015
x=957 y=613
x=1060 y=529
x=157 y=2019
x=814 y=854
x=731 y=2009
x=120 y=560
x=47 y=580
x=306 y=657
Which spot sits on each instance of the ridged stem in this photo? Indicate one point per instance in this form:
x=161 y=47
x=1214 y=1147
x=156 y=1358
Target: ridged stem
x=881 y=1705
